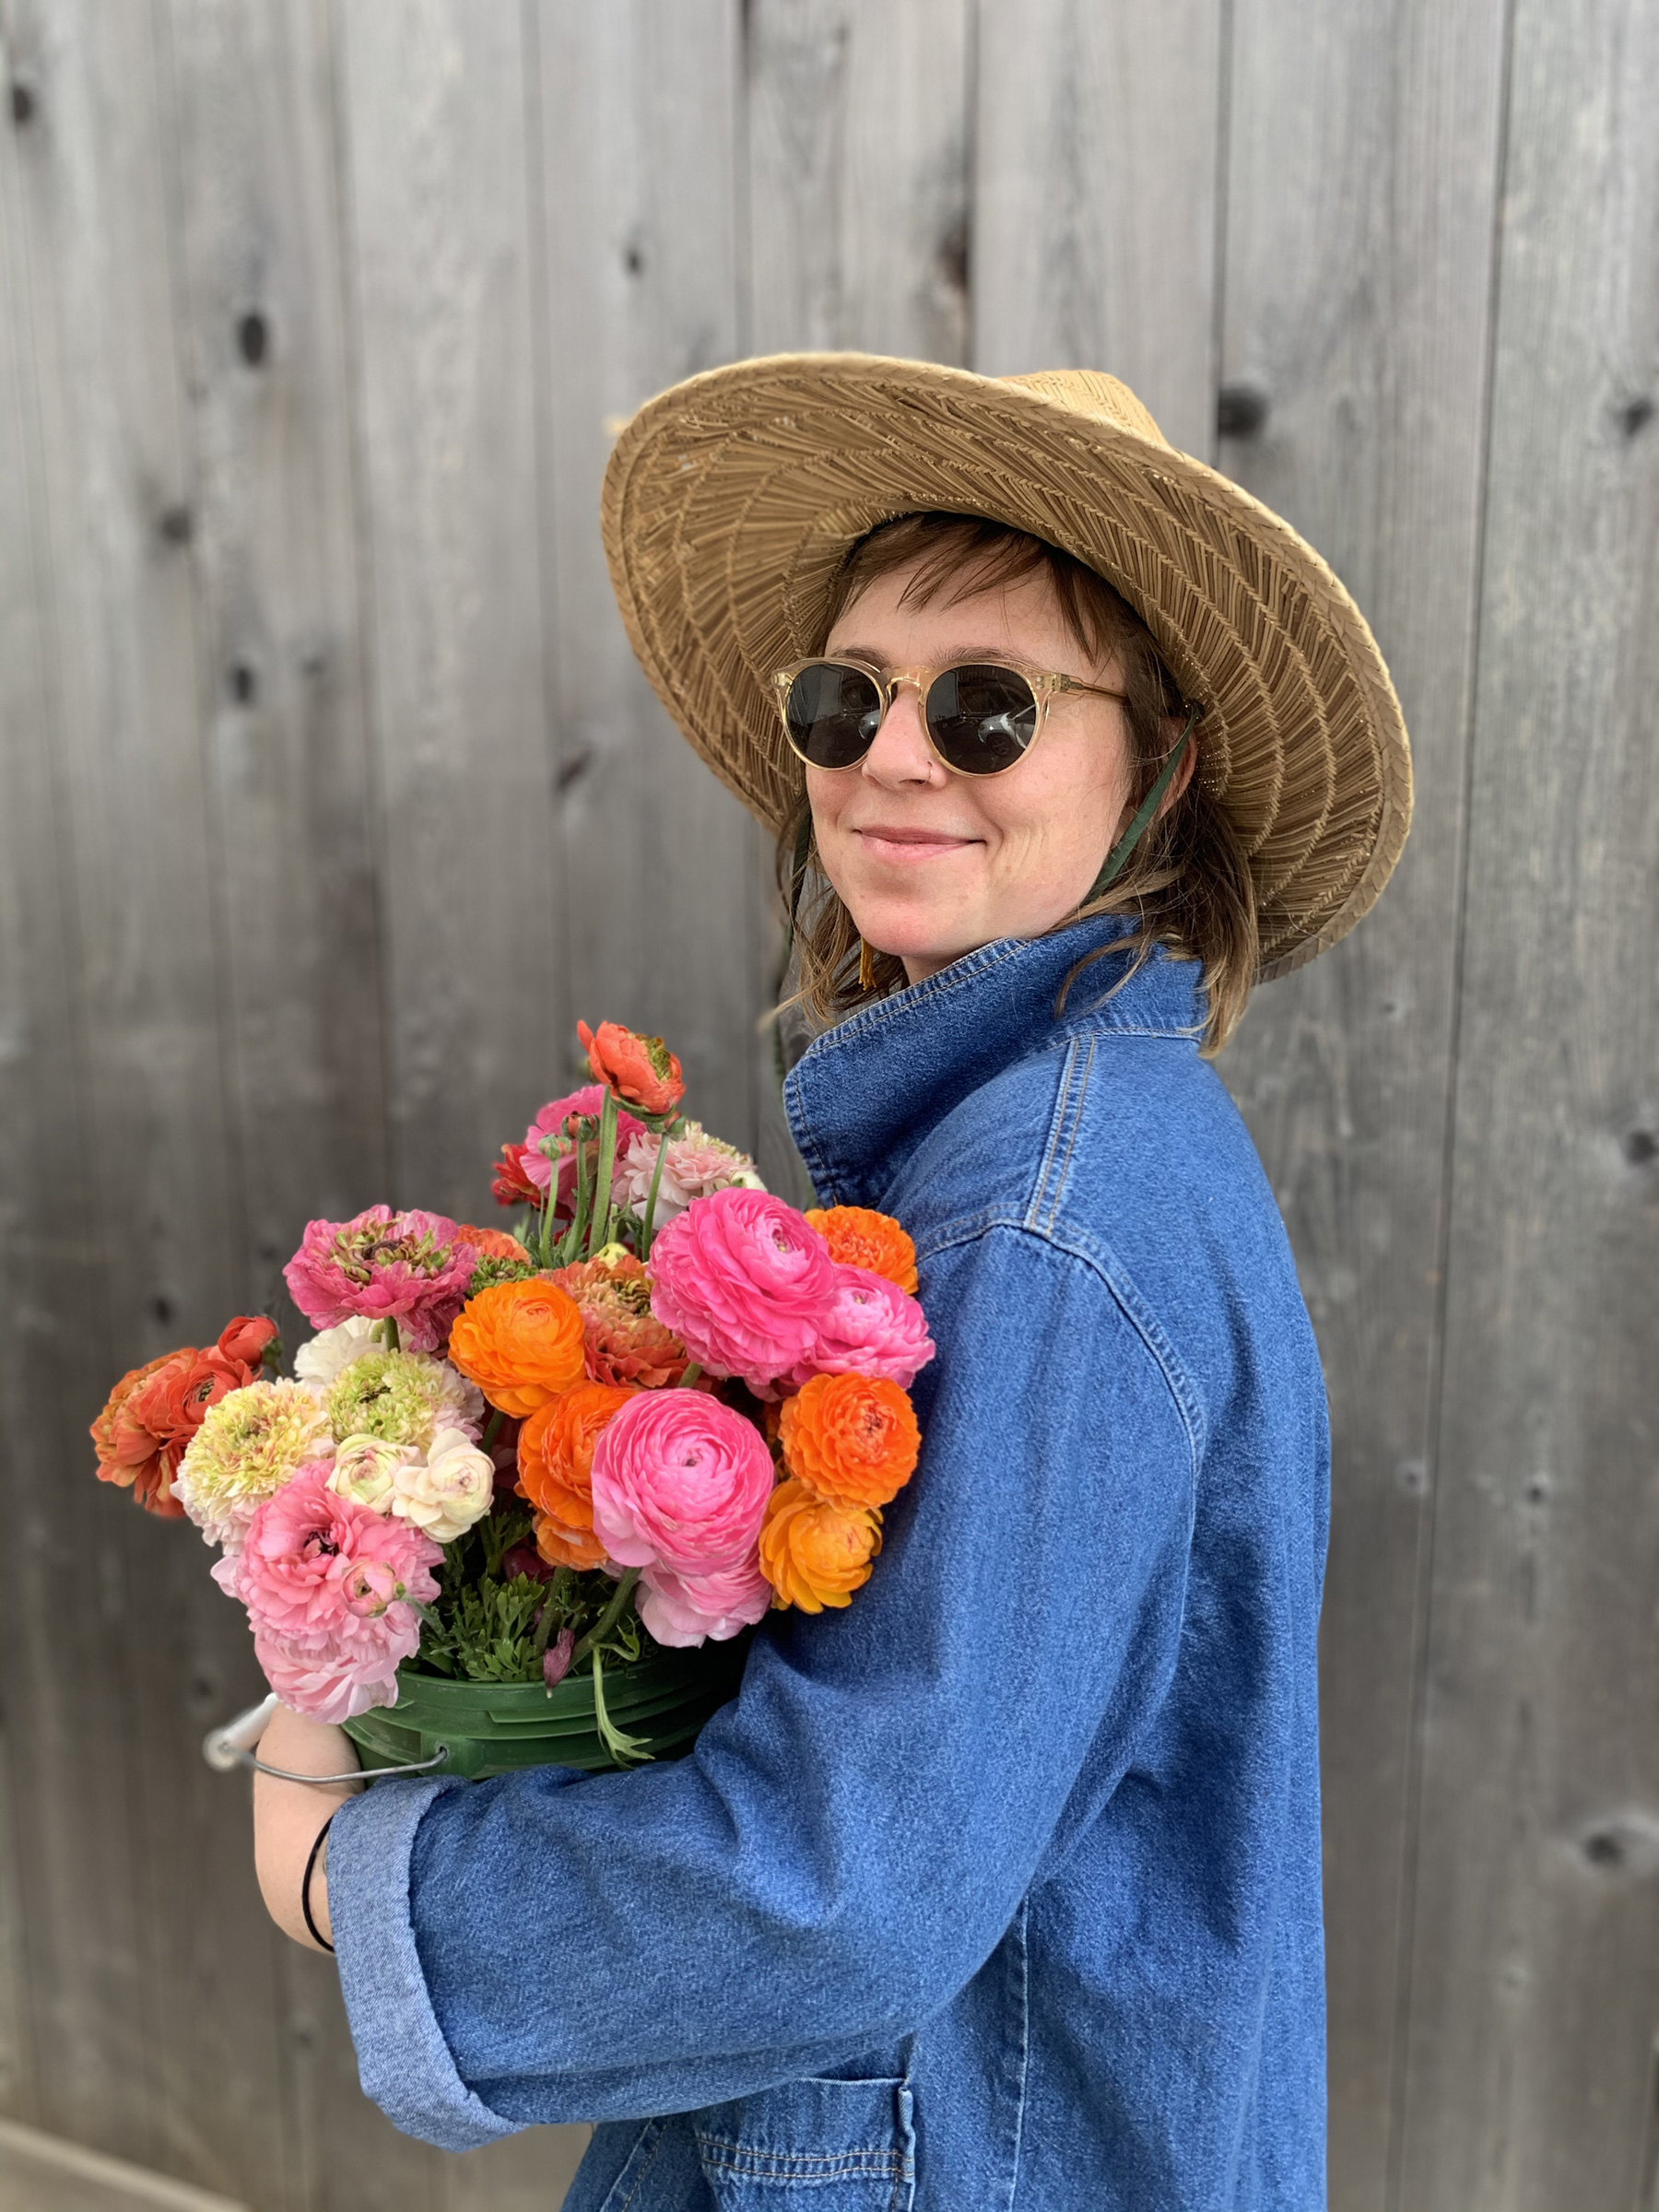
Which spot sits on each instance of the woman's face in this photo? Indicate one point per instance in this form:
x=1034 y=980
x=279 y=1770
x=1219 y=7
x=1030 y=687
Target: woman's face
x=932 y=865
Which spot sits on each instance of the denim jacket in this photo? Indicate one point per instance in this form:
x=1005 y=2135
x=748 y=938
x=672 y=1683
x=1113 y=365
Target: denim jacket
x=1000 y=1888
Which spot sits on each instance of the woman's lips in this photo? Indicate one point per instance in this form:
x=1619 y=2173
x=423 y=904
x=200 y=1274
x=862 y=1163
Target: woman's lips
x=907 y=846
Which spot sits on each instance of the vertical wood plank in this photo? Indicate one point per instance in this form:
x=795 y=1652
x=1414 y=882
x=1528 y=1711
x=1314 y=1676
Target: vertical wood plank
x=638 y=179
x=859 y=236
x=433 y=101
x=1097 y=147
x=132 y=1237
x=1536 y=1951
x=858 y=117
x=1361 y=200
x=258 y=284
x=40 y=1279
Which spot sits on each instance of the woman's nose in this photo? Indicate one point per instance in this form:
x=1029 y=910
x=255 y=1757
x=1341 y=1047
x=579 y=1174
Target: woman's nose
x=902 y=753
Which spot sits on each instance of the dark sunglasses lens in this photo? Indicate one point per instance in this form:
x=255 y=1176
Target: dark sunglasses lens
x=982 y=717
x=833 y=713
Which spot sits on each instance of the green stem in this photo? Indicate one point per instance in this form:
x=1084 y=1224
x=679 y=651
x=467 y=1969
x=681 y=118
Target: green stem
x=608 y=1618
x=691 y=1374
x=388 y=1333
x=602 y=1178
x=651 y=1196
x=492 y=1428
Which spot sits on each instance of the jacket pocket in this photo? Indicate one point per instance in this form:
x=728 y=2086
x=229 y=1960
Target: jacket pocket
x=829 y=2146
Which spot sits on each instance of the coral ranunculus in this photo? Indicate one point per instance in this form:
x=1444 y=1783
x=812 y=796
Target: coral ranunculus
x=145 y=1427
x=556 y=1452
x=853 y=1439
x=860 y=1237
x=679 y=1481
x=512 y=1185
x=327 y=1584
x=489 y=1243
x=814 y=1554
x=625 y=1341
x=745 y=1285
x=521 y=1342
x=641 y=1070
x=410 y=1268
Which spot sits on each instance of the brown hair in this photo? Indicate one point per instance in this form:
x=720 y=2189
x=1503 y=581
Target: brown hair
x=1187 y=881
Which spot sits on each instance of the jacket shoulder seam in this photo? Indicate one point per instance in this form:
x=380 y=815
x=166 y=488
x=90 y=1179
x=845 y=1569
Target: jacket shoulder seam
x=1119 y=1287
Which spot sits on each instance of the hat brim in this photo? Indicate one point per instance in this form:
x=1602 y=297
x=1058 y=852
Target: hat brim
x=731 y=501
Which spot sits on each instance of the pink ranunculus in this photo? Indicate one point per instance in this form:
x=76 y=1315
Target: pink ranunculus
x=745 y=1282
x=684 y=1609
x=680 y=1482
x=410 y=1268
x=870 y=1328
x=550 y=1124
x=327 y=1584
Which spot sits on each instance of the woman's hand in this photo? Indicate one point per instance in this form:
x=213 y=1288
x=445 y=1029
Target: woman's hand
x=288 y=1816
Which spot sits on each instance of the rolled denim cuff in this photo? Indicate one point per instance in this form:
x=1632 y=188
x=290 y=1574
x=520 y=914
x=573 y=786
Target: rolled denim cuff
x=403 y=2061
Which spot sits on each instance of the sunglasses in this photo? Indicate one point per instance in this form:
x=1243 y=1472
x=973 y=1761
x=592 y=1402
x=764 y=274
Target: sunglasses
x=982 y=717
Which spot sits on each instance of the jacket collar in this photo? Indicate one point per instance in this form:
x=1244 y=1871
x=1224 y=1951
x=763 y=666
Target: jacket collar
x=866 y=1093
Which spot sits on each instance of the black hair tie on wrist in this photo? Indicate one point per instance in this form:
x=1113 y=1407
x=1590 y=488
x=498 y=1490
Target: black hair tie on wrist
x=317 y=1934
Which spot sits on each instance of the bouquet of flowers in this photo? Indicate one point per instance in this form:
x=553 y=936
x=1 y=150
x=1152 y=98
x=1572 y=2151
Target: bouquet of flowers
x=664 y=1405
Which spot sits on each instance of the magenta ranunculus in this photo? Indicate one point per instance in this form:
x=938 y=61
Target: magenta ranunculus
x=871 y=1328
x=745 y=1282
x=550 y=1123
x=680 y=1482
x=386 y=1267
x=326 y=1583
x=684 y=1609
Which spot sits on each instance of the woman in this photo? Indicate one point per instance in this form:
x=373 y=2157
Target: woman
x=1002 y=1887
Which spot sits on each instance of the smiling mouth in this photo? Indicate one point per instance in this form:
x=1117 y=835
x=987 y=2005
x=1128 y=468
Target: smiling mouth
x=910 y=844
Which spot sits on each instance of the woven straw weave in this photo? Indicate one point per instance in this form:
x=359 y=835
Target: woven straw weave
x=732 y=499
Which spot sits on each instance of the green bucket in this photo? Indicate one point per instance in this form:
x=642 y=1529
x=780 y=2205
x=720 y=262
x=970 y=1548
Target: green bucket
x=483 y=1728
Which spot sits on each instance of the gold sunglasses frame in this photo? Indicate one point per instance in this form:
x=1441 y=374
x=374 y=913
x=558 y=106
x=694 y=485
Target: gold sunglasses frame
x=1046 y=684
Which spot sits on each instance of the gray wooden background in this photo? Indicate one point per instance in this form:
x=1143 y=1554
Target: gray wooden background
x=329 y=797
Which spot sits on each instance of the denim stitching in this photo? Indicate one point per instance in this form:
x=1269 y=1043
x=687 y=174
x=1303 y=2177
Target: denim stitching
x=656 y=2144
x=1025 y=2044
x=1057 y=1122
x=801 y=2166
x=1071 y=1142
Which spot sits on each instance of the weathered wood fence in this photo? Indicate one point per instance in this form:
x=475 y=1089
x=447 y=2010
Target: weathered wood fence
x=330 y=796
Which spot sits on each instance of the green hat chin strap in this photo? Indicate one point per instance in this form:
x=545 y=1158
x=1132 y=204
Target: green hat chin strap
x=1117 y=859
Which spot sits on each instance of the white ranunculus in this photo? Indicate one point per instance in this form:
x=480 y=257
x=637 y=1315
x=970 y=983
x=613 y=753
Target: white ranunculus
x=447 y=1492
x=365 y=1469
x=320 y=1359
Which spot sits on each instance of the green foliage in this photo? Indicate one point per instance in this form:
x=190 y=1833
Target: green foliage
x=490 y=1626
x=488 y=1271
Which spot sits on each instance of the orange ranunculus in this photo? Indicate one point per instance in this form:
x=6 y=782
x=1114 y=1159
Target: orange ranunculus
x=556 y=1451
x=521 y=1342
x=491 y=1244
x=860 y=1237
x=853 y=1439
x=562 y=1546
x=641 y=1070
x=814 y=1554
x=129 y=1455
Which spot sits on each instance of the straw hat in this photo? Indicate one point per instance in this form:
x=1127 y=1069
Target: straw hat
x=732 y=499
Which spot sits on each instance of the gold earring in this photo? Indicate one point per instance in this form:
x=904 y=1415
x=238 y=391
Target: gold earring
x=867 y=967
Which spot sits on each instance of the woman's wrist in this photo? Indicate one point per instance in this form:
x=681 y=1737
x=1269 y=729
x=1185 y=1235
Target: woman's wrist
x=289 y=1821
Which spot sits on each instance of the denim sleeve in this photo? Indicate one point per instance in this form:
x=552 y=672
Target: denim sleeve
x=855 y=1831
